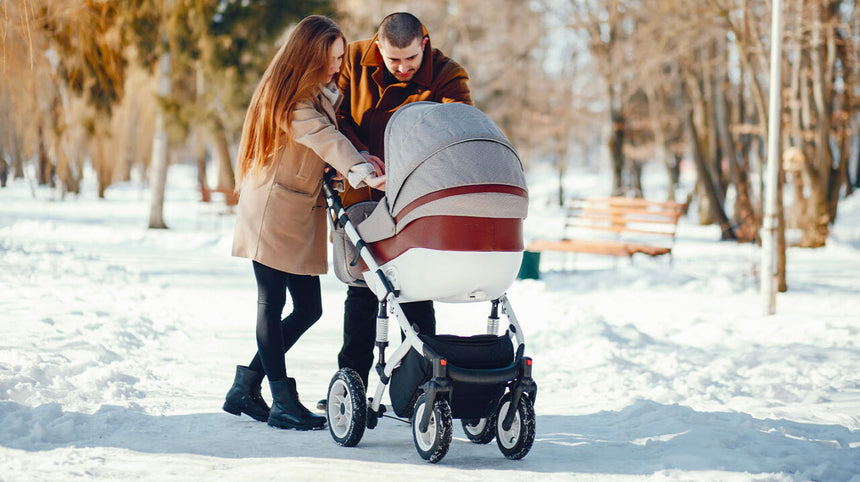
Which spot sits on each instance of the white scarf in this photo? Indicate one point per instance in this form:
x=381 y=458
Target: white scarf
x=330 y=92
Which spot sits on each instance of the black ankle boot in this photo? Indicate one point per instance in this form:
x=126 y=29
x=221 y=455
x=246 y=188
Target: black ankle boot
x=244 y=396
x=287 y=411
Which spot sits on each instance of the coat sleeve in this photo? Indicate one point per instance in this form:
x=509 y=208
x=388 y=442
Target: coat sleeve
x=344 y=111
x=314 y=130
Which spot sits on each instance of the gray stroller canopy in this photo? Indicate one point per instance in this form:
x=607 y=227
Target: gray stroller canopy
x=452 y=144
x=432 y=147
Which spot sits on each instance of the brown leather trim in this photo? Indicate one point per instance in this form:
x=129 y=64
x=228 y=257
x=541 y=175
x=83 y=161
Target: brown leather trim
x=456 y=191
x=452 y=233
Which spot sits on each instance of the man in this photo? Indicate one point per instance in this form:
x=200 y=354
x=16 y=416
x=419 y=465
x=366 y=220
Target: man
x=380 y=75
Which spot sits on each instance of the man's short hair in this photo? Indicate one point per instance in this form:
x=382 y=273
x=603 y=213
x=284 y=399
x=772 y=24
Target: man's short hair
x=400 y=29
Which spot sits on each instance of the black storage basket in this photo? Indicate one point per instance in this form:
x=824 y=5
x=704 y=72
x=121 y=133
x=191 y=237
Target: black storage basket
x=468 y=400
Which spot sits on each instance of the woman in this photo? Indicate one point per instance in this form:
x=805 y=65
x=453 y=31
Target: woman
x=288 y=138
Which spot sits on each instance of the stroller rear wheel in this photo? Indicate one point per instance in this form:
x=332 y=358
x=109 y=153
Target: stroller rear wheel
x=516 y=441
x=480 y=430
x=433 y=443
x=346 y=407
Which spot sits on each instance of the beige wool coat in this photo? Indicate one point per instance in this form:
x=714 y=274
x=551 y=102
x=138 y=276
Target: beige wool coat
x=281 y=220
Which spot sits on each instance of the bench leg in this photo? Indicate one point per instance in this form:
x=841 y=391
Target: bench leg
x=572 y=256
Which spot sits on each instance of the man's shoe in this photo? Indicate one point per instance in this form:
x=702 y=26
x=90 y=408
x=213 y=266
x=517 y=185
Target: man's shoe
x=322 y=405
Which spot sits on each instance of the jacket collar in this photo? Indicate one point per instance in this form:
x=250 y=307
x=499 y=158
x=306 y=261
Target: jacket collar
x=372 y=58
x=329 y=99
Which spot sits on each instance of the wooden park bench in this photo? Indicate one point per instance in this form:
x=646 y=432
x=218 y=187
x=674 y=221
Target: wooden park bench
x=616 y=226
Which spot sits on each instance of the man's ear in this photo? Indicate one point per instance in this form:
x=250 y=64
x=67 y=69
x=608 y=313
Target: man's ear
x=424 y=42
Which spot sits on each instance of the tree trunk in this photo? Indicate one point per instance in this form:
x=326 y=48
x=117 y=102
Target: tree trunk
x=793 y=158
x=745 y=219
x=705 y=178
x=69 y=179
x=44 y=168
x=17 y=155
x=158 y=174
x=711 y=89
x=226 y=176
x=560 y=172
x=857 y=168
x=158 y=166
x=100 y=164
x=844 y=179
x=635 y=173
x=661 y=149
x=561 y=164
x=4 y=167
x=821 y=164
x=202 y=180
x=710 y=199
x=616 y=143
x=843 y=126
x=781 y=284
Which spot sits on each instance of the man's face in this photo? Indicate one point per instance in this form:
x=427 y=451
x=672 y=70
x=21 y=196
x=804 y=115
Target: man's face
x=404 y=62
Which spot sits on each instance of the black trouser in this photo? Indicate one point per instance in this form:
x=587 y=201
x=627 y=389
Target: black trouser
x=359 y=327
x=274 y=335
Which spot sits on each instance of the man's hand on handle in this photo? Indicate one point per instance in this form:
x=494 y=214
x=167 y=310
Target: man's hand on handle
x=376 y=182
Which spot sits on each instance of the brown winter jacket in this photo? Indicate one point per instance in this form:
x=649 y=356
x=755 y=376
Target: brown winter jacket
x=281 y=219
x=368 y=103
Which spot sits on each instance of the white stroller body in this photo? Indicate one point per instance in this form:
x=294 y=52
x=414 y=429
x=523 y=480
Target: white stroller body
x=448 y=229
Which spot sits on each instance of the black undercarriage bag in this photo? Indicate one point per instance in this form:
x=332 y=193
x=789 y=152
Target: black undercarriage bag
x=468 y=400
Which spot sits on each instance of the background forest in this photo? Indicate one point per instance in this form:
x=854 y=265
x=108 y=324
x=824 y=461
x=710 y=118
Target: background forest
x=595 y=84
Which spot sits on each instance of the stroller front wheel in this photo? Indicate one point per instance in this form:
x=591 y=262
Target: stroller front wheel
x=346 y=407
x=433 y=443
x=516 y=441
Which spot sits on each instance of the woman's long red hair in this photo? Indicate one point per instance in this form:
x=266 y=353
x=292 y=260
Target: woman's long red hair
x=293 y=76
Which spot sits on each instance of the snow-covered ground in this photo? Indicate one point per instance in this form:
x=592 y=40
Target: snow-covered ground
x=118 y=343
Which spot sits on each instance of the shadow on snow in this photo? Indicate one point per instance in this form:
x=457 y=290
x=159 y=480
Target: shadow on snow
x=642 y=439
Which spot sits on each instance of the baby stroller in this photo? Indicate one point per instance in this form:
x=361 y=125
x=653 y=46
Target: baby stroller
x=448 y=229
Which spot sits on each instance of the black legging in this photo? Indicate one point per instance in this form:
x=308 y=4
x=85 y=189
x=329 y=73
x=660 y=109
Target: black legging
x=275 y=336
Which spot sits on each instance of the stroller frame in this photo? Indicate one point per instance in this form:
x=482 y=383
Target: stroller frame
x=517 y=375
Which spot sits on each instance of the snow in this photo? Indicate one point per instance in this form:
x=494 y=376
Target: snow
x=118 y=343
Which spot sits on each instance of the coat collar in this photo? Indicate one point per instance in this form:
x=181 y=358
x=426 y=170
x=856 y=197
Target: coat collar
x=372 y=58
x=329 y=98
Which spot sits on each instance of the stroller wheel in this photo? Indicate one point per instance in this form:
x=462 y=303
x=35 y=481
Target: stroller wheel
x=516 y=441
x=480 y=430
x=346 y=407
x=433 y=443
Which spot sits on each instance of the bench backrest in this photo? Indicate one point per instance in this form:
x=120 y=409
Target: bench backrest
x=623 y=216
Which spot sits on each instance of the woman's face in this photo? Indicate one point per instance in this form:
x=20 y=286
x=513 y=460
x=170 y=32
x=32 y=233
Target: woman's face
x=335 y=59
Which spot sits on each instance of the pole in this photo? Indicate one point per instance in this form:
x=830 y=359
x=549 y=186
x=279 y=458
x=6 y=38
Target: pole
x=769 y=223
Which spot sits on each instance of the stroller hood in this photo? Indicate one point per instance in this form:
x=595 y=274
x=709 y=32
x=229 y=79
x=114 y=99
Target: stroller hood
x=431 y=146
